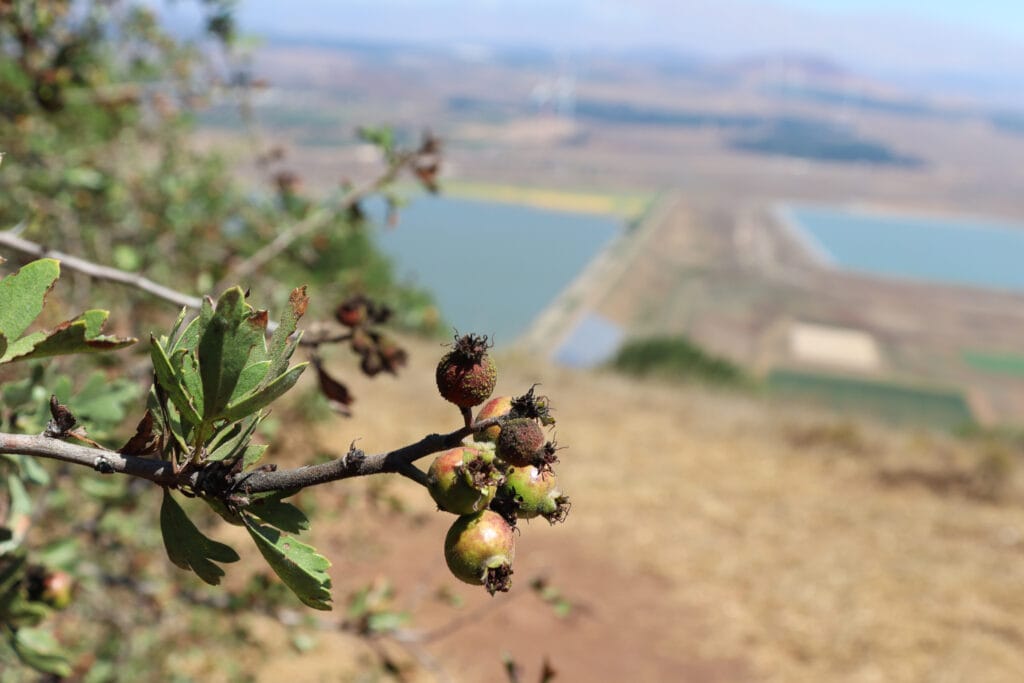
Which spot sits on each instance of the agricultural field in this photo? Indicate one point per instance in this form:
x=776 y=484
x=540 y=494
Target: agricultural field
x=887 y=401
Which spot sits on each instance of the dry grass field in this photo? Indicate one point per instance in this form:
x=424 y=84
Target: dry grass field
x=713 y=537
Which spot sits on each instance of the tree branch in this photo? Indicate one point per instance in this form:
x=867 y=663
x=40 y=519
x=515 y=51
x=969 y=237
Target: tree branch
x=316 y=220
x=99 y=459
x=353 y=464
x=9 y=239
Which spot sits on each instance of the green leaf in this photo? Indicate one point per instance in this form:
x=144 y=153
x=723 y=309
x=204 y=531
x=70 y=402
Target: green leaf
x=24 y=612
x=189 y=338
x=102 y=400
x=80 y=335
x=187 y=368
x=23 y=293
x=177 y=323
x=253 y=453
x=41 y=651
x=3 y=345
x=224 y=349
x=12 y=568
x=170 y=383
x=384 y=622
x=187 y=547
x=19 y=514
x=280 y=349
x=298 y=565
x=250 y=378
x=277 y=513
x=267 y=395
x=230 y=441
x=21 y=347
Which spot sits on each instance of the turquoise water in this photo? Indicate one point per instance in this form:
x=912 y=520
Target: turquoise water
x=493 y=267
x=959 y=251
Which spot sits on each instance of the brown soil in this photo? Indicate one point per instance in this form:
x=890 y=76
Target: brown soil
x=713 y=537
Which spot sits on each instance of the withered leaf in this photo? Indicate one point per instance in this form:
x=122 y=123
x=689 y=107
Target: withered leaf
x=336 y=393
x=144 y=442
x=61 y=422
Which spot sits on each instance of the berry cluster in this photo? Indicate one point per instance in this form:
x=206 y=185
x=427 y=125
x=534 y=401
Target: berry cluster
x=378 y=353
x=504 y=475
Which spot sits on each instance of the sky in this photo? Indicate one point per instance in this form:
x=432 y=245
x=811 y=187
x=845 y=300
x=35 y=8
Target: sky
x=1004 y=18
x=976 y=44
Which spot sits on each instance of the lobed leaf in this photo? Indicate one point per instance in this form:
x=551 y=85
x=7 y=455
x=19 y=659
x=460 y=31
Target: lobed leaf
x=277 y=513
x=187 y=547
x=23 y=294
x=80 y=335
x=298 y=565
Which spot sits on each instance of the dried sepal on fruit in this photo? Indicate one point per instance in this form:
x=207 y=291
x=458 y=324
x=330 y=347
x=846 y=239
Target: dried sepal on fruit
x=466 y=375
x=463 y=480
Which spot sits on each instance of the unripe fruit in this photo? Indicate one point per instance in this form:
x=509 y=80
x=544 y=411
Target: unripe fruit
x=536 y=492
x=57 y=589
x=519 y=440
x=499 y=405
x=463 y=480
x=466 y=375
x=479 y=550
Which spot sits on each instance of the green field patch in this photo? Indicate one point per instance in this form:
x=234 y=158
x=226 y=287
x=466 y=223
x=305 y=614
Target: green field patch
x=889 y=401
x=1010 y=364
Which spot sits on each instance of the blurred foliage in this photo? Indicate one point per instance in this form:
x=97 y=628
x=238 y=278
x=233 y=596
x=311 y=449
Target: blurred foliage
x=96 y=106
x=97 y=103
x=676 y=358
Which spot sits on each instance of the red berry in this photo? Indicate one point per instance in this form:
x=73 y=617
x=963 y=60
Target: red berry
x=353 y=311
x=463 y=480
x=519 y=440
x=500 y=405
x=479 y=550
x=466 y=375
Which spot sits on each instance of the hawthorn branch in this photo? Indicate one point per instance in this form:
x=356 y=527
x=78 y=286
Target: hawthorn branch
x=353 y=464
x=317 y=219
x=356 y=464
x=12 y=240
x=9 y=239
x=99 y=459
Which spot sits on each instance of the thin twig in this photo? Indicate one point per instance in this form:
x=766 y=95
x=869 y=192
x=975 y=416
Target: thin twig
x=8 y=238
x=12 y=241
x=315 y=220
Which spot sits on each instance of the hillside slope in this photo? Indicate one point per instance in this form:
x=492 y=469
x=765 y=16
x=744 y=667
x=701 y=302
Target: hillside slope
x=713 y=537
